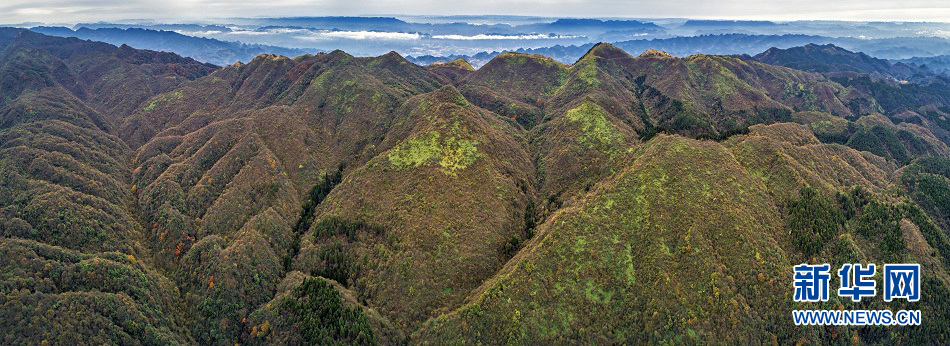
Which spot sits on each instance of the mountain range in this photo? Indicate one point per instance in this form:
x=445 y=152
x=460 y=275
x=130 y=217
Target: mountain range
x=477 y=39
x=148 y=198
x=915 y=50
x=202 y=49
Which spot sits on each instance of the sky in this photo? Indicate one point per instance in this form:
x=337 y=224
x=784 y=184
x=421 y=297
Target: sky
x=75 y=11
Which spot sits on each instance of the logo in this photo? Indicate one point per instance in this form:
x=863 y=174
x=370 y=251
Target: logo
x=901 y=281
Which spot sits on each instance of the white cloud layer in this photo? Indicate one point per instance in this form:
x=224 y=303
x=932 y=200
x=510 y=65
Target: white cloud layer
x=501 y=37
x=358 y=35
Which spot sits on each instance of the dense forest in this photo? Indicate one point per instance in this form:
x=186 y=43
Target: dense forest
x=147 y=198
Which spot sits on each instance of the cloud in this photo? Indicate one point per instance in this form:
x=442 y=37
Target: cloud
x=502 y=37
x=359 y=35
x=272 y=31
x=199 y=33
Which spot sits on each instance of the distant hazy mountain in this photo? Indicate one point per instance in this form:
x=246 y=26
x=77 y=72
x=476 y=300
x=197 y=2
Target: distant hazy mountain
x=589 y=26
x=694 y=23
x=202 y=49
x=164 y=27
x=831 y=58
x=478 y=38
x=559 y=26
x=940 y=63
x=731 y=44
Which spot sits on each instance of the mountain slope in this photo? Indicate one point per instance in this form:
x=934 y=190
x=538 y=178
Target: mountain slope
x=632 y=252
x=454 y=181
x=656 y=250
x=70 y=240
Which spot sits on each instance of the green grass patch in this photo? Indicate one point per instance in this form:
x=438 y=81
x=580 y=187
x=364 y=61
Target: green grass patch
x=596 y=130
x=451 y=153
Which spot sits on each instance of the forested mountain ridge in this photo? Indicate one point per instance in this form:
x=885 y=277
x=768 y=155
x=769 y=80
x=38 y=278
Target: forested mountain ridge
x=830 y=58
x=331 y=198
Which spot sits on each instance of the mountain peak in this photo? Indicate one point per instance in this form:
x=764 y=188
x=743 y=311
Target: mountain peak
x=459 y=63
x=606 y=51
x=653 y=53
x=393 y=55
x=268 y=57
x=388 y=60
x=515 y=56
x=448 y=94
x=507 y=60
